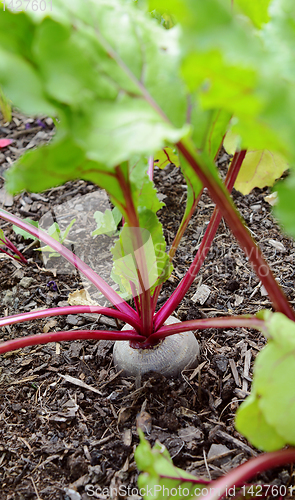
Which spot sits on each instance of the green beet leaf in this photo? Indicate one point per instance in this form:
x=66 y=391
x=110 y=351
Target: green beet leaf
x=114 y=85
x=23 y=233
x=257 y=11
x=251 y=422
x=267 y=416
x=141 y=250
x=144 y=193
x=285 y=208
x=159 y=478
x=22 y=84
x=60 y=236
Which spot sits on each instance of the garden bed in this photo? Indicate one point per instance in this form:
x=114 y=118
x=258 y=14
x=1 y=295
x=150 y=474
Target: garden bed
x=56 y=434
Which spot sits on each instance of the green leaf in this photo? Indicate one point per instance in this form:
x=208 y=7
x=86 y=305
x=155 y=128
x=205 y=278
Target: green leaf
x=141 y=244
x=61 y=161
x=16 y=32
x=2 y=237
x=144 y=193
x=251 y=422
x=107 y=222
x=112 y=133
x=55 y=232
x=28 y=95
x=257 y=11
x=132 y=243
x=285 y=208
x=23 y=233
x=115 y=86
x=156 y=463
x=270 y=410
x=68 y=75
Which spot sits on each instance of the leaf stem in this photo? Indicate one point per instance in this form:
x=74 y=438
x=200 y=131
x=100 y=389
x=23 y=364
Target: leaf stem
x=62 y=311
x=45 y=338
x=203 y=250
x=13 y=248
x=145 y=303
x=232 y=217
x=102 y=286
x=245 y=321
x=150 y=171
x=239 y=475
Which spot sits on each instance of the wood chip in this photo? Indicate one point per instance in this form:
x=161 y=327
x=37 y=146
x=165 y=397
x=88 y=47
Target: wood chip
x=236 y=442
x=201 y=294
x=78 y=382
x=197 y=370
x=277 y=245
x=23 y=380
x=246 y=369
x=238 y=300
x=263 y=291
x=235 y=372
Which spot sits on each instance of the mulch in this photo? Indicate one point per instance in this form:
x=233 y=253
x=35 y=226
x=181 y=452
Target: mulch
x=67 y=418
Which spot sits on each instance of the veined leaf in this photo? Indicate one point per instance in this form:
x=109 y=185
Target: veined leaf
x=144 y=193
x=259 y=169
x=166 y=156
x=60 y=236
x=114 y=84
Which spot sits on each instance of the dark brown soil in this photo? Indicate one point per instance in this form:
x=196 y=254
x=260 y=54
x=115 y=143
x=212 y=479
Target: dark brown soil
x=56 y=435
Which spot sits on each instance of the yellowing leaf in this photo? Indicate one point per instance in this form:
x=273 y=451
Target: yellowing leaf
x=166 y=156
x=259 y=169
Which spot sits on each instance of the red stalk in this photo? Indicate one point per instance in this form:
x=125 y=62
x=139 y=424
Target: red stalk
x=203 y=250
x=102 y=286
x=239 y=475
x=62 y=311
x=11 y=247
x=45 y=338
x=145 y=303
x=176 y=241
x=245 y=321
x=229 y=212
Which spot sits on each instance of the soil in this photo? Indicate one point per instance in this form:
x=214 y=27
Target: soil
x=56 y=436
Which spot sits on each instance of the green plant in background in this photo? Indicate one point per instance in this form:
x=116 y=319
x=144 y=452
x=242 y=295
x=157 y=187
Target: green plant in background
x=131 y=94
x=54 y=231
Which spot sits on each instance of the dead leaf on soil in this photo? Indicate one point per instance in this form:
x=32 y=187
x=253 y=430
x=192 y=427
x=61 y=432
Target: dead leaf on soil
x=81 y=298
